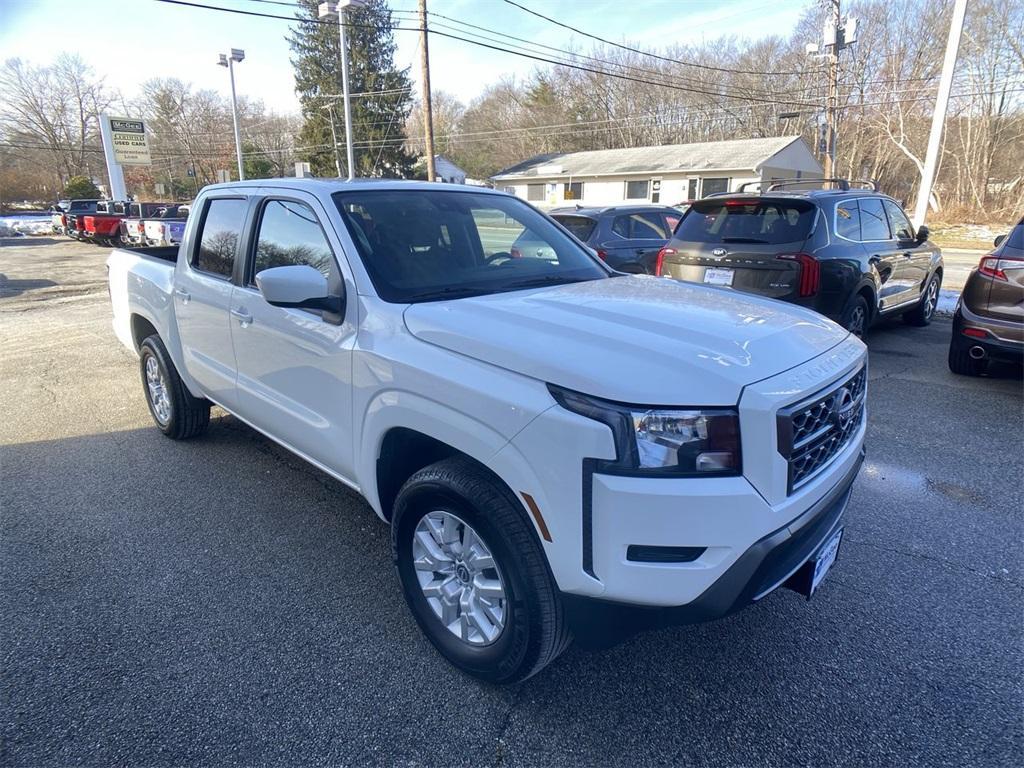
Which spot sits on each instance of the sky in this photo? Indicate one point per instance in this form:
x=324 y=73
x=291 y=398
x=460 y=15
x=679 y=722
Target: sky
x=131 y=41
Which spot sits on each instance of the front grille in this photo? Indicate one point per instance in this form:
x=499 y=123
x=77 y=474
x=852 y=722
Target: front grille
x=814 y=430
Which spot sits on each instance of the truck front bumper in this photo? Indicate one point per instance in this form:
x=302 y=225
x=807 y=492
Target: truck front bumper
x=760 y=569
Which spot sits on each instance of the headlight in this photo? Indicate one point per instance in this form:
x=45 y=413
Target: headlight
x=677 y=442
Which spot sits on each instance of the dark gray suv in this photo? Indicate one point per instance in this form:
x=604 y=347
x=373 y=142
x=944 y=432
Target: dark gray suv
x=848 y=252
x=627 y=237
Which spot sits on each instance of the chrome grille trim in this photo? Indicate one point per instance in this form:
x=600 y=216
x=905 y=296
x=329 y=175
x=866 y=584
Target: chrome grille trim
x=813 y=431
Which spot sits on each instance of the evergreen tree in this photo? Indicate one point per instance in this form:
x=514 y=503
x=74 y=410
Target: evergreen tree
x=378 y=121
x=81 y=188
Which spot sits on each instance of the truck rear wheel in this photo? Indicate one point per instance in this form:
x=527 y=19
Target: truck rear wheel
x=176 y=412
x=474 y=575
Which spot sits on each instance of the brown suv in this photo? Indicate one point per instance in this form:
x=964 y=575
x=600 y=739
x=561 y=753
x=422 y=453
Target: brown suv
x=989 y=319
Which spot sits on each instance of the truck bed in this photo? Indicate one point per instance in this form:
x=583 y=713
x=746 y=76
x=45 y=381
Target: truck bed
x=160 y=252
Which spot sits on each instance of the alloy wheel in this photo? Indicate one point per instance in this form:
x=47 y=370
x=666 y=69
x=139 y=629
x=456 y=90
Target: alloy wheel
x=459 y=578
x=931 y=299
x=157 y=386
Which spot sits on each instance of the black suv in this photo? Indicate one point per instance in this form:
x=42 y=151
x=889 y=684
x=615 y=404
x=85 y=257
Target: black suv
x=627 y=237
x=846 y=251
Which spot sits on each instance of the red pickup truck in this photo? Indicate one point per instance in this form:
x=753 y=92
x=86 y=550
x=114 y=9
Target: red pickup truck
x=104 y=226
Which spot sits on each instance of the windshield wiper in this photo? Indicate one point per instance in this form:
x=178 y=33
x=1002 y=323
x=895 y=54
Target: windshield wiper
x=546 y=280
x=742 y=240
x=451 y=292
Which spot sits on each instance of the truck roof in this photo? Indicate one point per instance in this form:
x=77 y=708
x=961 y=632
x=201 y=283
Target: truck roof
x=343 y=185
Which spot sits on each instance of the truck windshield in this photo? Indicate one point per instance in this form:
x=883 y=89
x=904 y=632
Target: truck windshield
x=426 y=245
x=746 y=221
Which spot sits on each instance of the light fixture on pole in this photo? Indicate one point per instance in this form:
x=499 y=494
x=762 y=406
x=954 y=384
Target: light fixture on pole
x=327 y=11
x=229 y=62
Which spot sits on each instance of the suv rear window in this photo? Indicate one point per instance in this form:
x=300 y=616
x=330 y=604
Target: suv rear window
x=580 y=226
x=747 y=221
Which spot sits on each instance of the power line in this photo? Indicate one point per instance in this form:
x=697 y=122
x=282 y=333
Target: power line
x=648 y=53
x=617 y=75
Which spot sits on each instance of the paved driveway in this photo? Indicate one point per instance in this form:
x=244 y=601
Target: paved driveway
x=218 y=602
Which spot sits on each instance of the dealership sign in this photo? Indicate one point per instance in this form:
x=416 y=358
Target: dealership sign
x=129 y=139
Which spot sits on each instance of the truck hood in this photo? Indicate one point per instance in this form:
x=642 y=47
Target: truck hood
x=635 y=340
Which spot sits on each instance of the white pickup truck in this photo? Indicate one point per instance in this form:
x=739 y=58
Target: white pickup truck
x=558 y=448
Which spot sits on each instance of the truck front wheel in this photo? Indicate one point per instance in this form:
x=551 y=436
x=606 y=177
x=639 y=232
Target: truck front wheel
x=474 y=574
x=176 y=412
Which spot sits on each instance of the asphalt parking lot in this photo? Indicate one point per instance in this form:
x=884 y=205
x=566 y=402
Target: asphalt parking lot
x=218 y=602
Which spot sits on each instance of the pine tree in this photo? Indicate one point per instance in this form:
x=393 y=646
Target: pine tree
x=378 y=121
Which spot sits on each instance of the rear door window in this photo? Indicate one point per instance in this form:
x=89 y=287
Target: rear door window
x=581 y=226
x=899 y=224
x=640 y=226
x=218 y=236
x=290 y=234
x=873 y=224
x=848 y=220
x=747 y=221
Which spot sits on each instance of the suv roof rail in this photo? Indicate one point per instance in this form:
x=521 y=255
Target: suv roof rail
x=843 y=184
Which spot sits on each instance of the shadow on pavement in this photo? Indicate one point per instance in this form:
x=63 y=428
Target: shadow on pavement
x=10 y=287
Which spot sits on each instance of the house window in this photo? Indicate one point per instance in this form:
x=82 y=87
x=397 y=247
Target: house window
x=691 y=189
x=534 y=191
x=637 y=190
x=714 y=186
x=572 y=190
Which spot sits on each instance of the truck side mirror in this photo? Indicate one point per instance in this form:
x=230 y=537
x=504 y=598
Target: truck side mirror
x=923 y=233
x=298 y=286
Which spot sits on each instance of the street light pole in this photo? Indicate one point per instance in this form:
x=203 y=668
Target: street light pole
x=229 y=62
x=327 y=10
x=334 y=137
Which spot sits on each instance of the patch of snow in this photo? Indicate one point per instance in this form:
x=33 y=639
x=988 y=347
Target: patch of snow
x=17 y=226
x=948 y=299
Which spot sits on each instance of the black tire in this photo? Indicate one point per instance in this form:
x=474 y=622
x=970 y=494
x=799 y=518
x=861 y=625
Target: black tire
x=923 y=312
x=856 y=316
x=961 y=362
x=189 y=416
x=535 y=631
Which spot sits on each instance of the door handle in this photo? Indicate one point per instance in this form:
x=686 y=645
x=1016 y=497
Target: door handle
x=182 y=294
x=243 y=317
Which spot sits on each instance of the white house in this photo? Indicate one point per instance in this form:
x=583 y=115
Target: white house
x=667 y=174
x=447 y=171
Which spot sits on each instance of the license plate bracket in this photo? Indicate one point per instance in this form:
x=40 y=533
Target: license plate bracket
x=811 y=574
x=718 y=276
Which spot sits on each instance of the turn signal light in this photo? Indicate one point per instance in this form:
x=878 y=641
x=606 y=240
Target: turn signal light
x=659 y=264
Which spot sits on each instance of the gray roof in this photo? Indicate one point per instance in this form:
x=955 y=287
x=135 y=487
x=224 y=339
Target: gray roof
x=712 y=155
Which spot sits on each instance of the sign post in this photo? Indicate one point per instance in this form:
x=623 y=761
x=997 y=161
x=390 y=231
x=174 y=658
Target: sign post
x=124 y=143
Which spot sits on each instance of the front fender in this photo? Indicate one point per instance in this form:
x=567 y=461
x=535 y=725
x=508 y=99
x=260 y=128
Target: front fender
x=391 y=409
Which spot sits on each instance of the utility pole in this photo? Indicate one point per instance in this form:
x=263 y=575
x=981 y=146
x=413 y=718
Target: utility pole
x=931 y=160
x=838 y=34
x=832 y=104
x=428 y=110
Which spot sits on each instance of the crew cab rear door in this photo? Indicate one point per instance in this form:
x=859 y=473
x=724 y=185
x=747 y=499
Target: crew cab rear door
x=295 y=365
x=202 y=295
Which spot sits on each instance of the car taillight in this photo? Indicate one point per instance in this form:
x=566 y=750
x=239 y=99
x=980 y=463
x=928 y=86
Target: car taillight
x=976 y=333
x=602 y=254
x=659 y=263
x=810 y=272
x=993 y=267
